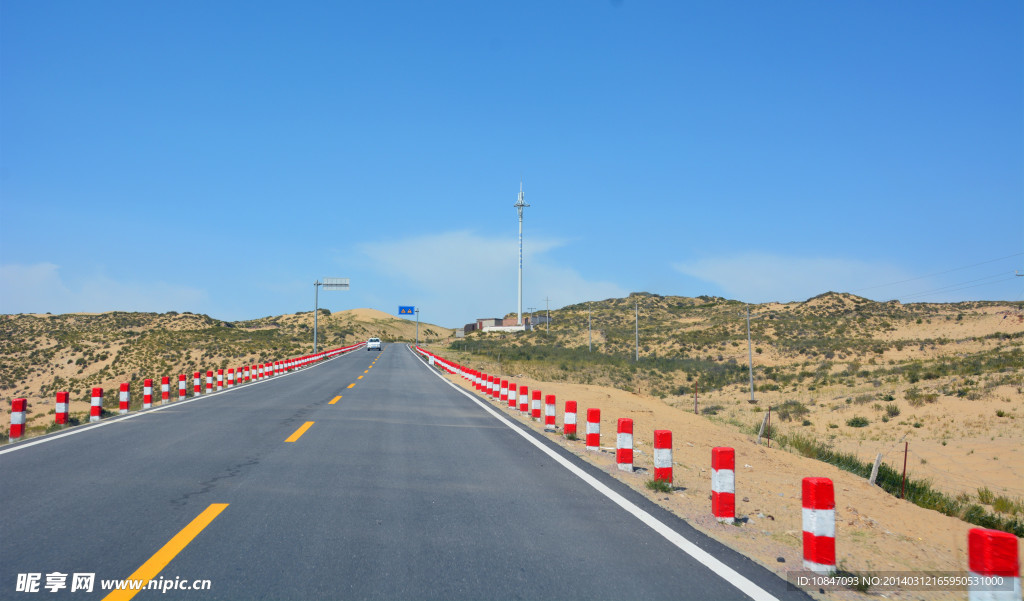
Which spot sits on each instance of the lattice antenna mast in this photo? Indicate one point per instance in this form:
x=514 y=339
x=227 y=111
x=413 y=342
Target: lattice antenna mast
x=520 y=205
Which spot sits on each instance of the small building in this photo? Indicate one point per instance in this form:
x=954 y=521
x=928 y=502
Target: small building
x=539 y=319
x=488 y=322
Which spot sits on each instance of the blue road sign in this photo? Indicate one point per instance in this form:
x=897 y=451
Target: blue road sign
x=406 y=310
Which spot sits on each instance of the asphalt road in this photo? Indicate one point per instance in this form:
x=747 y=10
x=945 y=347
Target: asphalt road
x=404 y=488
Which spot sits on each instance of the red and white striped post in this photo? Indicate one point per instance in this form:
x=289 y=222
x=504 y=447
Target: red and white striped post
x=125 y=398
x=512 y=394
x=220 y=379
x=504 y=391
x=147 y=393
x=819 y=521
x=723 y=484
x=96 y=409
x=569 y=419
x=549 y=413
x=624 y=445
x=593 y=429
x=197 y=382
x=182 y=387
x=994 y=564
x=524 y=399
x=535 y=406
x=165 y=390
x=231 y=377
x=17 y=419
x=663 y=455
x=209 y=381
x=246 y=371
x=61 y=414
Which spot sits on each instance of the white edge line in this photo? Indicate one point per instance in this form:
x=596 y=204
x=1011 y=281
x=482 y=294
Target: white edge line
x=711 y=562
x=117 y=419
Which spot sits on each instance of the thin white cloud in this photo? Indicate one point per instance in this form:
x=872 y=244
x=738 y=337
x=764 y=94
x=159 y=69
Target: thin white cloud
x=756 y=277
x=467 y=275
x=40 y=288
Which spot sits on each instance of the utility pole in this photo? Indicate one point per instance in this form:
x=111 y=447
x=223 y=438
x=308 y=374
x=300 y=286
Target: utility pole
x=636 y=308
x=520 y=205
x=750 y=357
x=316 y=310
x=547 y=326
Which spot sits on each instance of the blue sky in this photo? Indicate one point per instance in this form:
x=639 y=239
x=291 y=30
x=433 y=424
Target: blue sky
x=219 y=157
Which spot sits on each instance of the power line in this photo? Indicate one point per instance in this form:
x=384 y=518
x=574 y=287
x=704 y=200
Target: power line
x=960 y=286
x=938 y=273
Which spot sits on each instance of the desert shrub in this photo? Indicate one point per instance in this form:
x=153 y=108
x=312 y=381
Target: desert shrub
x=861 y=399
x=791 y=410
x=857 y=422
x=892 y=410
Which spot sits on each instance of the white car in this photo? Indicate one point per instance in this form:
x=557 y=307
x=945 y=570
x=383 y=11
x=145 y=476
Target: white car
x=373 y=344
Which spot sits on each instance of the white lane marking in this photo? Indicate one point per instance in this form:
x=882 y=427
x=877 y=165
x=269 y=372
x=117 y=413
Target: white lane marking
x=121 y=418
x=709 y=561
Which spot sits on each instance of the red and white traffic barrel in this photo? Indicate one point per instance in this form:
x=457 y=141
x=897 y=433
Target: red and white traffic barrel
x=209 y=381
x=61 y=415
x=504 y=390
x=723 y=484
x=17 y=419
x=663 y=455
x=994 y=565
x=593 y=429
x=220 y=379
x=125 y=398
x=165 y=390
x=182 y=387
x=535 y=409
x=512 y=395
x=569 y=419
x=231 y=377
x=197 y=382
x=96 y=409
x=819 y=521
x=624 y=445
x=549 y=413
x=524 y=399
x=147 y=393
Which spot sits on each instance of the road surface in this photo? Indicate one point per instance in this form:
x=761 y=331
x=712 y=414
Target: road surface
x=402 y=488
